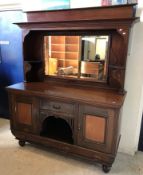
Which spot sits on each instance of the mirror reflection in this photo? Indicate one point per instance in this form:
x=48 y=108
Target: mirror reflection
x=82 y=57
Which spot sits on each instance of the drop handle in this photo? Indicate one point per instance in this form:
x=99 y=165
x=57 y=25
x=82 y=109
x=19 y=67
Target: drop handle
x=56 y=107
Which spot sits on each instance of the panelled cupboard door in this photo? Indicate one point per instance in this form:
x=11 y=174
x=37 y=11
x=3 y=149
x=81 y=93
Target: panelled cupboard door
x=96 y=128
x=25 y=114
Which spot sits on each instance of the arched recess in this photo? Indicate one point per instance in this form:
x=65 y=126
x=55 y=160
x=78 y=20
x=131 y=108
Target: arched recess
x=57 y=128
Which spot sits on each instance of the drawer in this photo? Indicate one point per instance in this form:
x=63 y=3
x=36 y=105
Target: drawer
x=57 y=106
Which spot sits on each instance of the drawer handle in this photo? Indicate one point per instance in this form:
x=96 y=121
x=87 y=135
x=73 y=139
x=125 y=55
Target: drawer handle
x=56 y=107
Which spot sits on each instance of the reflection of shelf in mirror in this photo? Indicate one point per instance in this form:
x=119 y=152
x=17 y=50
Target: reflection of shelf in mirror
x=57 y=44
x=63 y=76
x=64 y=52
x=67 y=44
x=64 y=44
x=69 y=59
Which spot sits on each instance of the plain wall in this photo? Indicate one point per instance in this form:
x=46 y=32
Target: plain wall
x=11 y=64
x=132 y=109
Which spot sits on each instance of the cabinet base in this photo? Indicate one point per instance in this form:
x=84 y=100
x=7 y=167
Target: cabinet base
x=105 y=168
x=106 y=160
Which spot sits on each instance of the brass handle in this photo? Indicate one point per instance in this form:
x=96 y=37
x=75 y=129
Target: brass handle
x=56 y=107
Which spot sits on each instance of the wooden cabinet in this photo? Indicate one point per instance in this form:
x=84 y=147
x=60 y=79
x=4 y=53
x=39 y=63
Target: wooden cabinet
x=77 y=116
x=85 y=124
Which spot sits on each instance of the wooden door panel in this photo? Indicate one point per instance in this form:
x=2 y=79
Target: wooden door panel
x=24 y=113
x=95 y=128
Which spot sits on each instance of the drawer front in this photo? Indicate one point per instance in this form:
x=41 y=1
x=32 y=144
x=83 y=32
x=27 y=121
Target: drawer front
x=57 y=106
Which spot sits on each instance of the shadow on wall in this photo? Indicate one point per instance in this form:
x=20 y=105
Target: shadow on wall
x=11 y=64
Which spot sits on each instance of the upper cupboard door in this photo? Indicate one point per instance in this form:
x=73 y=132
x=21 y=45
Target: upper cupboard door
x=96 y=128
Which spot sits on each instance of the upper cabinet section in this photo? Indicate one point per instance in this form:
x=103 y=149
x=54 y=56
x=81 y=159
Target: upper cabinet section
x=84 y=45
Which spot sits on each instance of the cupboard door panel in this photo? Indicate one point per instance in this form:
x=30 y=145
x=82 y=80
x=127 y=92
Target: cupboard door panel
x=95 y=128
x=24 y=113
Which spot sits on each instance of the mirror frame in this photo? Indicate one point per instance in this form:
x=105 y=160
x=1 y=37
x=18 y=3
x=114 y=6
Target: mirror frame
x=79 y=60
x=80 y=33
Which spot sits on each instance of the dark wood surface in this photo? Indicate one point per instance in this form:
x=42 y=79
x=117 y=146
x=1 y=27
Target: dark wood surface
x=94 y=96
x=96 y=13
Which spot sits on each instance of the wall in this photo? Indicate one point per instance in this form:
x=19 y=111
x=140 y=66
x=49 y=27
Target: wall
x=133 y=106
x=11 y=66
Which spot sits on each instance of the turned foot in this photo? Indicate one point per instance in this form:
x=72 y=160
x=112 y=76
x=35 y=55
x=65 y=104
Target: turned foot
x=106 y=168
x=21 y=142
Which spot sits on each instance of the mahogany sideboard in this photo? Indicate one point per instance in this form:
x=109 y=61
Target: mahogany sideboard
x=78 y=114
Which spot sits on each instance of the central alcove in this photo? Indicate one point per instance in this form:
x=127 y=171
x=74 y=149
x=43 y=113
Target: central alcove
x=57 y=128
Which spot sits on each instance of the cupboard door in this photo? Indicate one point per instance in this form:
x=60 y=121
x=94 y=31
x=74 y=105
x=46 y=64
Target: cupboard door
x=96 y=128
x=25 y=113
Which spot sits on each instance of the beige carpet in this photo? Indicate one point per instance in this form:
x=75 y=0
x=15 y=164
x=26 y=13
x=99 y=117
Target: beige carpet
x=33 y=160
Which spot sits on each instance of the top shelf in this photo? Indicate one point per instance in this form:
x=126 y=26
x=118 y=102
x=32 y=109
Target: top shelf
x=80 y=8
x=118 y=12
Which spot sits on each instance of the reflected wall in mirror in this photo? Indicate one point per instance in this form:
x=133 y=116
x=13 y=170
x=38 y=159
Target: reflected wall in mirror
x=80 y=57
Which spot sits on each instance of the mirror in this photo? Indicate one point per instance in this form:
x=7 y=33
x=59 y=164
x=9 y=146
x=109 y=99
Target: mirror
x=81 y=57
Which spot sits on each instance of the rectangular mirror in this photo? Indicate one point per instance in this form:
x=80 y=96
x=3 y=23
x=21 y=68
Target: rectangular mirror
x=80 y=57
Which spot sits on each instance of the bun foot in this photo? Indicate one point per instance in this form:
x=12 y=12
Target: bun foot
x=106 y=168
x=21 y=142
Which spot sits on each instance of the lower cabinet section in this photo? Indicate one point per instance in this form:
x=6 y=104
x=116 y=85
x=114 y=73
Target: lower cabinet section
x=80 y=129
